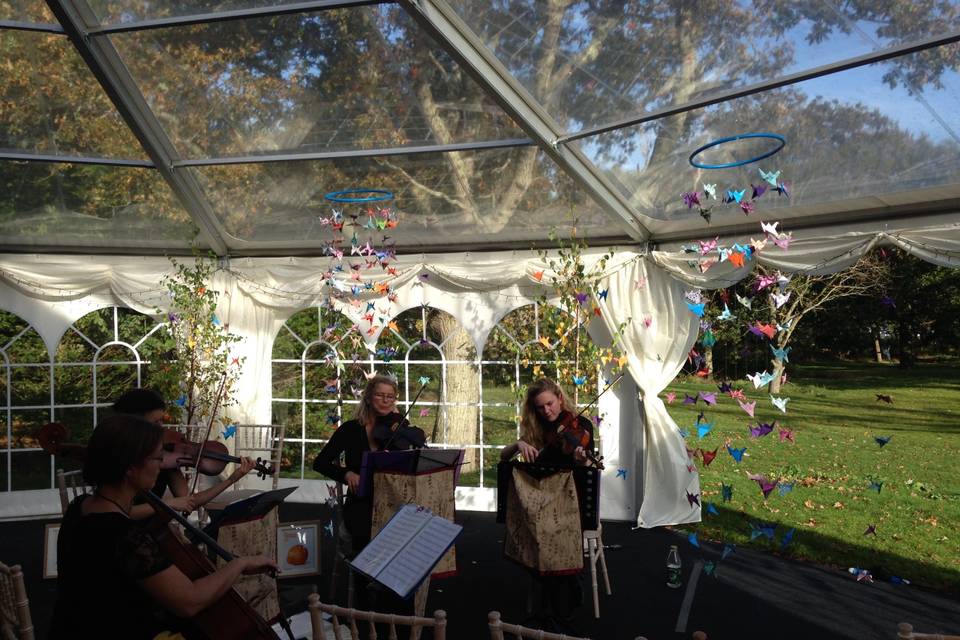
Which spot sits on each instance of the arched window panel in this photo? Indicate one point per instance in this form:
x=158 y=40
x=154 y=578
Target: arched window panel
x=25 y=403
x=98 y=359
x=317 y=367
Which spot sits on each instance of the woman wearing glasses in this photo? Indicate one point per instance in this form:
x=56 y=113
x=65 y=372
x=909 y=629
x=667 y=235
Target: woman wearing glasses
x=352 y=439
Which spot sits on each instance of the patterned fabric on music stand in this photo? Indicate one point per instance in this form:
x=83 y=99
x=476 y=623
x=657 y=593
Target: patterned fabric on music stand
x=256 y=537
x=543 y=523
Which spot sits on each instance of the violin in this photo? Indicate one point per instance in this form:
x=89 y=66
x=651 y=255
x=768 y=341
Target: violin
x=180 y=452
x=177 y=451
x=570 y=434
x=394 y=432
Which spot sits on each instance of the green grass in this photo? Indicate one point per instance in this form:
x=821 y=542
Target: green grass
x=835 y=416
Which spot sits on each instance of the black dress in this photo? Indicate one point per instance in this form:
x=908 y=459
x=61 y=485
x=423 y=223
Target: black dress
x=350 y=439
x=100 y=559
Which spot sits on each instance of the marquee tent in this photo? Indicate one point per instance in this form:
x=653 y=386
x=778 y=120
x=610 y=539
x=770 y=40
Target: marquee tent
x=131 y=130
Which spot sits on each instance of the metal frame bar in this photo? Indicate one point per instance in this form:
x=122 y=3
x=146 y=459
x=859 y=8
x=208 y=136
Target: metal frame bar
x=449 y=30
x=776 y=83
x=235 y=14
x=41 y=27
x=354 y=153
x=18 y=156
x=106 y=65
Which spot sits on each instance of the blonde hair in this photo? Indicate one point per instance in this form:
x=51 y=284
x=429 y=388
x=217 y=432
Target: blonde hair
x=365 y=413
x=530 y=430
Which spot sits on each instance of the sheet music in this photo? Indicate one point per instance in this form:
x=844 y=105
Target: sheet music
x=391 y=539
x=418 y=557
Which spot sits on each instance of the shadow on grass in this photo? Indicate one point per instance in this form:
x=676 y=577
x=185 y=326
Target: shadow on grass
x=809 y=544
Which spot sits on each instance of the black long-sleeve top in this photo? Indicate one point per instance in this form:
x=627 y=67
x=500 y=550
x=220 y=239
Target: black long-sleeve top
x=351 y=440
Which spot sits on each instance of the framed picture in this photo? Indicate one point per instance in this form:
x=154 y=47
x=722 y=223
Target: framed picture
x=298 y=549
x=50 y=535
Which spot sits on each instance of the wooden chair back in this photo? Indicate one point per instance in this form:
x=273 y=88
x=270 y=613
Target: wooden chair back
x=262 y=441
x=15 y=621
x=905 y=632
x=499 y=628
x=70 y=485
x=352 y=616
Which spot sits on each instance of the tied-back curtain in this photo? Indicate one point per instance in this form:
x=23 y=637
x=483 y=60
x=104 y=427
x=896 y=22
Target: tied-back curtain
x=658 y=332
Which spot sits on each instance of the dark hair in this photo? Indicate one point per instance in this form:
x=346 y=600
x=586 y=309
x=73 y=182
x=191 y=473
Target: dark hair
x=139 y=402
x=118 y=443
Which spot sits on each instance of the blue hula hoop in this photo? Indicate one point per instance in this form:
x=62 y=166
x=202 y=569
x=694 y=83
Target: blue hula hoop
x=727 y=165
x=347 y=196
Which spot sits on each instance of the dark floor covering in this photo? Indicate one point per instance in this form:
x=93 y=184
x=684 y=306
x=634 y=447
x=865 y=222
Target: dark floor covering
x=753 y=595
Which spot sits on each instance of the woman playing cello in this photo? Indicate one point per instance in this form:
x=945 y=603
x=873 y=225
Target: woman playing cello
x=113 y=581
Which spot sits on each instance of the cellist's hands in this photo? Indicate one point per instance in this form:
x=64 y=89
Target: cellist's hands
x=253 y=565
x=183 y=504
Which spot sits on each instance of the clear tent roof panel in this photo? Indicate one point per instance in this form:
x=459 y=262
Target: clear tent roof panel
x=115 y=12
x=50 y=103
x=869 y=131
x=343 y=79
x=442 y=200
x=34 y=11
x=592 y=63
x=50 y=204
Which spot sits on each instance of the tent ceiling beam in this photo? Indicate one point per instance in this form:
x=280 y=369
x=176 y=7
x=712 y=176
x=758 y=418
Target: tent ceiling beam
x=354 y=153
x=110 y=71
x=234 y=14
x=18 y=156
x=448 y=29
x=42 y=27
x=926 y=208
x=767 y=85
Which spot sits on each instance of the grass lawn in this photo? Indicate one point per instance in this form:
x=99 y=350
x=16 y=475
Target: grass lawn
x=835 y=416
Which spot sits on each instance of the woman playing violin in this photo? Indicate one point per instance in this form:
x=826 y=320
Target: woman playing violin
x=150 y=406
x=552 y=434
x=550 y=431
x=371 y=430
x=113 y=581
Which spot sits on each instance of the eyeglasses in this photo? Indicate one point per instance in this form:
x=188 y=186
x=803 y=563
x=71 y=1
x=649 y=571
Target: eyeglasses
x=385 y=396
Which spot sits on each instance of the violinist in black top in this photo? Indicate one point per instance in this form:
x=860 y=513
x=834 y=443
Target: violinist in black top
x=377 y=427
x=550 y=431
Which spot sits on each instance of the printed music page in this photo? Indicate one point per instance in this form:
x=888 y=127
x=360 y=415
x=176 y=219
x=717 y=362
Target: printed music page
x=407 y=548
x=418 y=557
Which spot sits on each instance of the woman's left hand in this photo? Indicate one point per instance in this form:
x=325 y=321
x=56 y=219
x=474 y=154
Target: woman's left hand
x=246 y=466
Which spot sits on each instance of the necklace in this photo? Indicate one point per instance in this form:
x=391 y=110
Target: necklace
x=117 y=504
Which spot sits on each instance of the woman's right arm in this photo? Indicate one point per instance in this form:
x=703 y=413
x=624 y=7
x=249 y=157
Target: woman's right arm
x=183 y=597
x=528 y=451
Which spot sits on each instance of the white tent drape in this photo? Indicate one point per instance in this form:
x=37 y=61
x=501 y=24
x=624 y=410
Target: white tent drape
x=658 y=330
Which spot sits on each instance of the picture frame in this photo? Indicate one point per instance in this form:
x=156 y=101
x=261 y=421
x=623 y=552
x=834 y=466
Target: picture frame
x=298 y=549
x=50 y=535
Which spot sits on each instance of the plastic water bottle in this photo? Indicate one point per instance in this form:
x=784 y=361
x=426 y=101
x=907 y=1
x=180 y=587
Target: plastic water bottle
x=673 y=568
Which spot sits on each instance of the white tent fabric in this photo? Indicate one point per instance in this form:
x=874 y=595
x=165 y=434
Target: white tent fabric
x=645 y=297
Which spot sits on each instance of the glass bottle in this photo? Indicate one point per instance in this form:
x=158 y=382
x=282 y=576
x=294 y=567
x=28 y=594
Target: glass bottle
x=673 y=568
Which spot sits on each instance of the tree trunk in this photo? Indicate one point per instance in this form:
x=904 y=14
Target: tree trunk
x=876 y=348
x=778 y=368
x=462 y=382
x=708 y=361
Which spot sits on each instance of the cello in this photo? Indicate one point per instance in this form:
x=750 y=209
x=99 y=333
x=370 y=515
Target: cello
x=229 y=617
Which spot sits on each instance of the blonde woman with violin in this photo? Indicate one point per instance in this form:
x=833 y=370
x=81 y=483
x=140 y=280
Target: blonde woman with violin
x=550 y=431
x=150 y=406
x=376 y=426
x=113 y=580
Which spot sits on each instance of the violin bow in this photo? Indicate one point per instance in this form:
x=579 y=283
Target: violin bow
x=404 y=416
x=597 y=397
x=206 y=435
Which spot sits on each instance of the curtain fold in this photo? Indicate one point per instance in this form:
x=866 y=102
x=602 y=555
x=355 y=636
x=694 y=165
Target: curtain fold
x=645 y=306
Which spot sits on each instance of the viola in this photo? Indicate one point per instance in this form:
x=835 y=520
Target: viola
x=180 y=452
x=394 y=432
x=570 y=435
